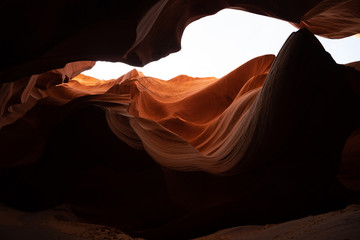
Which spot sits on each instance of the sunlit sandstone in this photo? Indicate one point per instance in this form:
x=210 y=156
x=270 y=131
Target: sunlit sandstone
x=274 y=140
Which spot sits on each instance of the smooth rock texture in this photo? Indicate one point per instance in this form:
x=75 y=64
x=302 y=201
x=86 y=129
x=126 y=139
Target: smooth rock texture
x=332 y=18
x=60 y=224
x=40 y=36
x=333 y=225
x=275 y=140
x=183 y=158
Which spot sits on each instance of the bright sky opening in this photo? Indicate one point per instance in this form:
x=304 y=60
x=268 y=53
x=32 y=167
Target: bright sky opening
x=215 y=45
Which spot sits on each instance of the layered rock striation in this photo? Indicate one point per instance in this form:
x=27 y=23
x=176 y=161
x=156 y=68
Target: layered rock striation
x=274 y=140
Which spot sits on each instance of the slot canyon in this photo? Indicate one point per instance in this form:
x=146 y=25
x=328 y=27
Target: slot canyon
x=271 y=150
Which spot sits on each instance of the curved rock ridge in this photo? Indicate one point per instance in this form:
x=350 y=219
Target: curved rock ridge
x=182 y=158
x=19 y=97
x=184 y=110
x=332 y=19
x=136 y=33
x=277 y=139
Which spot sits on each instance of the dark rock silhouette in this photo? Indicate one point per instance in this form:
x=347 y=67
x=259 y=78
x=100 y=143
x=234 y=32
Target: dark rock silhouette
x=275 y=140
x=52 y=34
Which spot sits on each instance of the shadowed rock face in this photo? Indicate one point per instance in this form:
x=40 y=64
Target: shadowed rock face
x=42 y=36
x=274 y=140
x=189 y=156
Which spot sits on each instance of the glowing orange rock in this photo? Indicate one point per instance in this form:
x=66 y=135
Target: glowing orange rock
x=264 y=142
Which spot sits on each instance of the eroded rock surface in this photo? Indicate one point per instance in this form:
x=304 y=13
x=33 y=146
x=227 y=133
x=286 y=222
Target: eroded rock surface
x=189 y=156
x=275 y=140
x=42 y=36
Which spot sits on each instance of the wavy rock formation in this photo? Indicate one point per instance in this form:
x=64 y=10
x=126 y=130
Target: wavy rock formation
x=55 y=33
x=275 y=140
x=185 y=157
x=332 y=19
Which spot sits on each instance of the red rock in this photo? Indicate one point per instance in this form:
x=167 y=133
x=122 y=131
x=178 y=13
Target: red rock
x=205 y=153
x=183 y=158
x=52 y=34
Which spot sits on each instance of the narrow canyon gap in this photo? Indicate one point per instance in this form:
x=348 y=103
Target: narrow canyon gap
x=276 y=139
